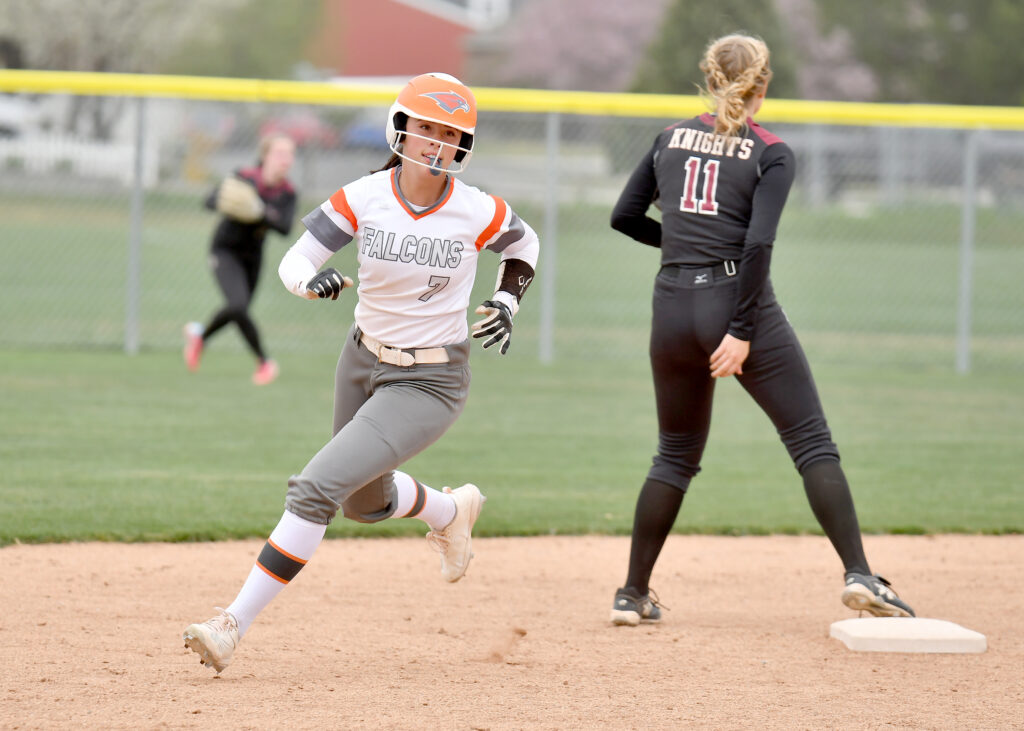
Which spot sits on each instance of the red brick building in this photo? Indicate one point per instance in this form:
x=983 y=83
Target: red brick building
x=399 y=37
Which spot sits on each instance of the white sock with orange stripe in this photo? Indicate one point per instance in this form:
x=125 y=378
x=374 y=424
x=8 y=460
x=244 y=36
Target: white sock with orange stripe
x=416 y=500
x=287 y=550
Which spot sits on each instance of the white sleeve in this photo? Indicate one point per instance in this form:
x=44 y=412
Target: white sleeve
x=508 y=299
x=511 y=236
x=526 y=248
x=301 y=263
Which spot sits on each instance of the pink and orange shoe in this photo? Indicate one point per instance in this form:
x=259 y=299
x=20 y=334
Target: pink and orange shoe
x=266 y=373
x=193 y=345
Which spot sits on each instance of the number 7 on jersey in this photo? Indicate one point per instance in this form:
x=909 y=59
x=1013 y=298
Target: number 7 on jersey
x=436 y=284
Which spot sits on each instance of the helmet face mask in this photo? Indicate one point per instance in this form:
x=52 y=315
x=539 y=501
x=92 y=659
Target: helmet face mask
x=438 y=98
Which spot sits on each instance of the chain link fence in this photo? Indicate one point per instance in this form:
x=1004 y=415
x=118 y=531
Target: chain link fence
x=899 y=246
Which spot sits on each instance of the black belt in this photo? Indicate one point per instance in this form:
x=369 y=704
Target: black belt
x=692 y=277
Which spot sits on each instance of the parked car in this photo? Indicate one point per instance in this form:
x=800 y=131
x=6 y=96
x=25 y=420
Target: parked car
x=17 y=115
x=366 y=132
x=306 y=128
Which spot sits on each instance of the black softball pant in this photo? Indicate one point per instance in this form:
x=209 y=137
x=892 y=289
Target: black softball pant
x=689 y=322
x=237 y=277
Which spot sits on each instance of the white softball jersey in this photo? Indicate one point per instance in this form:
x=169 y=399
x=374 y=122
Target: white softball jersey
x=416 y=265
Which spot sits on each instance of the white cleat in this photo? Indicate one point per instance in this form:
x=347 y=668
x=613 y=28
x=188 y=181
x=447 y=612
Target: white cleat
x=214 y=640
x=455 y=541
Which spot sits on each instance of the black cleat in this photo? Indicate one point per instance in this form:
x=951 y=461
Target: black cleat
x=629 y=608
x=873 y=594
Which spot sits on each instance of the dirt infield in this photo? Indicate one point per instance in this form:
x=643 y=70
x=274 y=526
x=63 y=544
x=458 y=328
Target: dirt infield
x=369 y=636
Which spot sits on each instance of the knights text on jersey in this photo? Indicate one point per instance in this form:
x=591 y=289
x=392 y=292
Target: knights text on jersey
x=706 y=183
x=416 y=266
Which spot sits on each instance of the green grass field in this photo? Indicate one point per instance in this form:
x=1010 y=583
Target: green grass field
x=100 y=445
x=876 y=289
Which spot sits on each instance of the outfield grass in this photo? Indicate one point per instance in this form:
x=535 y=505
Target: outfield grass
x=97 y=444
x=100 y=445
x=876 y=289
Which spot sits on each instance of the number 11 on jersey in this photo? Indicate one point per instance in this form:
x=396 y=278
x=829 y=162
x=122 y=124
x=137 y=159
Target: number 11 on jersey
x=707 y=204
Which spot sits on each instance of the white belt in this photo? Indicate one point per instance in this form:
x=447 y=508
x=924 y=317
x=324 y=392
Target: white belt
x=404 y=358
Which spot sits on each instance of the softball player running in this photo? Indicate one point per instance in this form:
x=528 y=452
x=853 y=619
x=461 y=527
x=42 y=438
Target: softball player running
x=403 y=375
x=721 y=182
x=251 y=201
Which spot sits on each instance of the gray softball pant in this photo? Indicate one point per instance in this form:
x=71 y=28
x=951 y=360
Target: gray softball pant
x=383 y=415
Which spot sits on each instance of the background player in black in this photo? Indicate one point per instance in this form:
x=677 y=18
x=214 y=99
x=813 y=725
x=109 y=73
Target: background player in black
x=721 y=182
x=252 y=201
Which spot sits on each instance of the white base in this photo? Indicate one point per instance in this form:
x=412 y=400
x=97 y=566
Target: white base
x=906 y=634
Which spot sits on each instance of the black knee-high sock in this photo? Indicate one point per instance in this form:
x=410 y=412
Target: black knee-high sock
x=245 y=325
x=251 y=335
x=219 y=320
x=829 y=495
x=656 y=511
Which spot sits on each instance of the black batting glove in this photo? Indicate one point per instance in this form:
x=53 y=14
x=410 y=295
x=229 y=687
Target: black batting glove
x=328 y=284
x=496 y=324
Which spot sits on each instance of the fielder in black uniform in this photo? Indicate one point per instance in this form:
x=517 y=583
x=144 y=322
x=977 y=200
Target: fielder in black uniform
x=251 y=201
x=721 y=182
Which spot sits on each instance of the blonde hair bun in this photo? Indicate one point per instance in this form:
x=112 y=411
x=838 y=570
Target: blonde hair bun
x=736 y=67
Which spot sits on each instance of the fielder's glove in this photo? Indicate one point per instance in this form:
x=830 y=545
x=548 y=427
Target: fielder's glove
x=497 y=323
x=239 y=200
x=327 y=284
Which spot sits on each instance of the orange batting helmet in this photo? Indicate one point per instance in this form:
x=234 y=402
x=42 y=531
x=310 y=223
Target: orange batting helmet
x=440 y=98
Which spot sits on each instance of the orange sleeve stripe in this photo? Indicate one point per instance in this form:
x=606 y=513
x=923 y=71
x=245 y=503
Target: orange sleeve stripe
x=286 y=554
x=270 y=573
x=340 y=203
x=494 y=225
